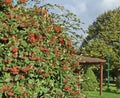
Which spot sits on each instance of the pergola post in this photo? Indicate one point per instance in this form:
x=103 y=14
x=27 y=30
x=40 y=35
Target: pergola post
x=94 y=61
x=101 y=77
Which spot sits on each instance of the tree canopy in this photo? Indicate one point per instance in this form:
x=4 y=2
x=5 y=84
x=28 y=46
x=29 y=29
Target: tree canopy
x=104 y=37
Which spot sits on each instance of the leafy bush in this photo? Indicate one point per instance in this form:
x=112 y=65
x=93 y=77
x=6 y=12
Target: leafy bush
x=90 y=82
x=36 y=54
x=118 y=80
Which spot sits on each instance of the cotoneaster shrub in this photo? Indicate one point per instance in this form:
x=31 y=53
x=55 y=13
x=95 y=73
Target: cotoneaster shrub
x=36 y=56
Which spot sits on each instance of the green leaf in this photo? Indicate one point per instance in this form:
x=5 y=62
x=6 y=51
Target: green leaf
x=16 y=77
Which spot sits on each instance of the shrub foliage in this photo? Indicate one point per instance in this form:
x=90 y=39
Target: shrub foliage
x=90 y=82
x=36 y=55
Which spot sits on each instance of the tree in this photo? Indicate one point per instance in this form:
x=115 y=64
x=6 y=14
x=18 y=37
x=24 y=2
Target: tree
x=36 y=53
x=104 y=37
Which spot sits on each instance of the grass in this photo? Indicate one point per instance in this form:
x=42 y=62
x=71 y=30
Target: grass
x=95 y=94
x=113 y=92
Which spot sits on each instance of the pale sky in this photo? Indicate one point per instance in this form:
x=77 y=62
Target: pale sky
x=87 y=10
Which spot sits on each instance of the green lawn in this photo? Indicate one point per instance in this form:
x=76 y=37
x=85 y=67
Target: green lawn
x=113 y=92
x=95 y=94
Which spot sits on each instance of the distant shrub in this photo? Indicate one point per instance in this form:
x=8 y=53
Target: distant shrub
x=90 y=82
x=118 y=81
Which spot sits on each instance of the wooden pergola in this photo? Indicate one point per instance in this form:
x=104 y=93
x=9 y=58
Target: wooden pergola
x=94 y=61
